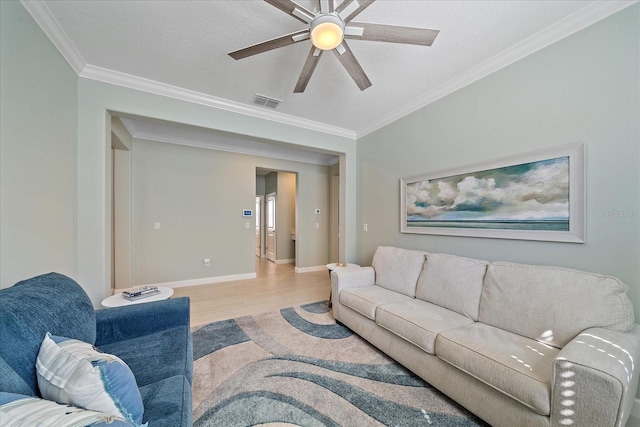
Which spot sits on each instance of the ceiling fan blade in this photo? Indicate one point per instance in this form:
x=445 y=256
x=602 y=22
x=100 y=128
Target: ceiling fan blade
x=351 y=64
x=393 y=34
x=349 y=9
x=307 y=69
x=285 y=40
x=289 y=7
x=326 y=6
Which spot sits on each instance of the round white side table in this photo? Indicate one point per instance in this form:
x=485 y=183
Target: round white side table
x=339 y=266
x=118 y=300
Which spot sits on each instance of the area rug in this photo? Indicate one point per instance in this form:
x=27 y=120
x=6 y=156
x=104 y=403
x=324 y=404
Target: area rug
x=297 y=367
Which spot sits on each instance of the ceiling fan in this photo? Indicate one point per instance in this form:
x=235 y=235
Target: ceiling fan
x=328 y=27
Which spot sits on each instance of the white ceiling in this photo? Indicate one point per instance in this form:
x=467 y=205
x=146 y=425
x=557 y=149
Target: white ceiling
x=180 y=48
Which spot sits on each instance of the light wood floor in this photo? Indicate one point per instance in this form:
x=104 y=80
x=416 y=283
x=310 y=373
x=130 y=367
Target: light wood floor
x=276 y=286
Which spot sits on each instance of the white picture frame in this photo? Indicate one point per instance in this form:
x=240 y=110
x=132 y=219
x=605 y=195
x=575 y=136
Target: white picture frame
x=534 y=196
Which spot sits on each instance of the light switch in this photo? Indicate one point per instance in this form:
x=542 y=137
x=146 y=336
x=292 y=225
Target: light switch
x=365 y=227
x=156 y=226
x=247 y=225
x=317 y=225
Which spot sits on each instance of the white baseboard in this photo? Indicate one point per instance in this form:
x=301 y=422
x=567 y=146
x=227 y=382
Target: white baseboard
x=285 y=261
x=206 y=280
x=310 y=269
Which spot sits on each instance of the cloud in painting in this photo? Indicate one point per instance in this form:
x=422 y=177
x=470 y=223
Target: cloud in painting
x=537 y=190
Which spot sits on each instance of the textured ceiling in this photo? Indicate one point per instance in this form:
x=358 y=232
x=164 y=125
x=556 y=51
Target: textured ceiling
x=184 y=44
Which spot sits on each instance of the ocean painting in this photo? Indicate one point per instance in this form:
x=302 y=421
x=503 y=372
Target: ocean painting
x=527 y=196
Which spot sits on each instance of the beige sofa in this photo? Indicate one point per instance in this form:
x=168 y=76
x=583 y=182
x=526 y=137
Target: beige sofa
x=517 y=345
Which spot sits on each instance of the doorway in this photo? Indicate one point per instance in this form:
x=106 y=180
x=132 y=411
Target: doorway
x=271 y=248
x=279 y=214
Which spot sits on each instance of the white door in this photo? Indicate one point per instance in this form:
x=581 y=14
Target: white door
x=271 y=227
x=259 y=226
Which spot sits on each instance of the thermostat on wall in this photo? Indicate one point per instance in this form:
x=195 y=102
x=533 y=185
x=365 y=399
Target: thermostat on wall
x=247 y=213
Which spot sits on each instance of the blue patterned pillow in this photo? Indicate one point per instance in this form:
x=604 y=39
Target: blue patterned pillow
x=18 y=410
x=74 y=372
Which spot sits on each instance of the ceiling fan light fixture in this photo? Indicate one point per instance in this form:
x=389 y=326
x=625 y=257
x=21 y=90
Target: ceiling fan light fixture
x=327 y=31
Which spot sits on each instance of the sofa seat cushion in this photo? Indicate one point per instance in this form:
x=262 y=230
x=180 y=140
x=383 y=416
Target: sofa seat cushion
x=519 y=367
x=398 y=269
x=366 y=299
x=452 y=282
x=418 y=322
x=167 y=403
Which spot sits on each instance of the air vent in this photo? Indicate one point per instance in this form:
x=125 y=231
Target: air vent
x=266 y=101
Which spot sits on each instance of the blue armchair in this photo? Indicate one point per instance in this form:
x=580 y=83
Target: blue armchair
x=153 y=339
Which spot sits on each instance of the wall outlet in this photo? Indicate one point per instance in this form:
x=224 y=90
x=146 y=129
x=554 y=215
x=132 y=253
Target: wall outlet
x=156 y=226
x=365 y=227
x=206 y=262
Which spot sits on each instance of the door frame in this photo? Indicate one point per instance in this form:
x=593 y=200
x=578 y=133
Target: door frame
x=260 y=223
x=268 y=229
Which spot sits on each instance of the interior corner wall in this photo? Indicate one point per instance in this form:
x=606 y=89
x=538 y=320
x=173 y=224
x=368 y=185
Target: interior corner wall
x=271 y=183
x=38 y=106
x=582 y=88
x=260 y=185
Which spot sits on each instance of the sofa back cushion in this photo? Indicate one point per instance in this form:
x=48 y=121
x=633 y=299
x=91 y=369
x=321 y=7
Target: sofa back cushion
x=398 y=269
x=552 y=304
x=452 y=282
x=28 y=310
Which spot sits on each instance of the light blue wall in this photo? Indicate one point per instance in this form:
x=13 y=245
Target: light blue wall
x=38 y=106
x=583 y=88
x=198 y=195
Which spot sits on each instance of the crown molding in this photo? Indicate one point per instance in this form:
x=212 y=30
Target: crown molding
x=142 y=84
x=231 y=148
x=583 y=18
x=49 y=24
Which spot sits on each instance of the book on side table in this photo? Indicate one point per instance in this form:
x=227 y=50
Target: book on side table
x=140 y=292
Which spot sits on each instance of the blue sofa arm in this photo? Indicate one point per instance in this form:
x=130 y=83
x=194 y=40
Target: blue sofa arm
x=132 y=321
x=154 y=339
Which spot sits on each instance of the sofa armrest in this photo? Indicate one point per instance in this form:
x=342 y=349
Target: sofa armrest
x=595 y=378
x=350 y=278
x=132 y=321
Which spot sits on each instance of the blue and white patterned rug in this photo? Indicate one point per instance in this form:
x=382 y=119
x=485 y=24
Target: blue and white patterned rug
x=297 y=367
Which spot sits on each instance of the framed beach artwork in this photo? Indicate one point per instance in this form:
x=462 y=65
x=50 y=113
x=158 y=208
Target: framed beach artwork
x=534 y=196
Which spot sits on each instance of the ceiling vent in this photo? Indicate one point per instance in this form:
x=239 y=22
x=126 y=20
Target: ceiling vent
x=266 y=101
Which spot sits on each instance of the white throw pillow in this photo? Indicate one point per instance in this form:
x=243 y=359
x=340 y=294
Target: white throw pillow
x=74 y=372
x=398 y=269
x=452 y=282
x=18 y=411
